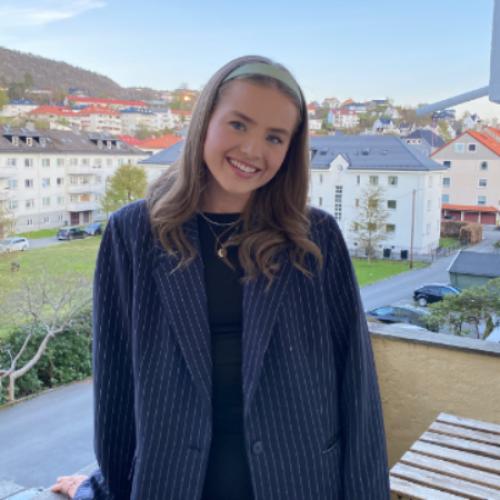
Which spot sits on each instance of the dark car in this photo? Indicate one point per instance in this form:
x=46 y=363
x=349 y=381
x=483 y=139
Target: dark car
x=399 y=314
x=71 y=233
x=429 y=294
x=94 y=229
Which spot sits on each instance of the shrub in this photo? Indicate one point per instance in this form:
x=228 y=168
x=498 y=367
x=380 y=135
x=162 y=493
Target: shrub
x=451 y=228
x=471 y=233
x=66 y=359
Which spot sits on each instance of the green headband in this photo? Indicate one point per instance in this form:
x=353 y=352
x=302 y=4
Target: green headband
x=264 y=69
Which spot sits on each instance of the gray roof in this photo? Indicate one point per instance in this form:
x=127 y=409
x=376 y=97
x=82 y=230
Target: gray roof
x=476 y=264
x=166 y=156
x=62 y=141
x=370 y=152
x=427 y=135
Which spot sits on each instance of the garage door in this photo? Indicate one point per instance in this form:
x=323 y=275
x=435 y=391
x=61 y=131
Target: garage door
x=470 y=216
x=488 y=218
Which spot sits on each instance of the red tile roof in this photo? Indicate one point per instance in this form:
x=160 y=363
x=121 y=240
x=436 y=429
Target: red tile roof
x=103 y=101
x=53 y=110
x=129 y=139
x=483 y=137
x=163 y=142
x=98 y=110
x=469 y=208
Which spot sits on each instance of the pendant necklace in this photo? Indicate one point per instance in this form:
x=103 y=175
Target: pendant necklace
x=220 y=249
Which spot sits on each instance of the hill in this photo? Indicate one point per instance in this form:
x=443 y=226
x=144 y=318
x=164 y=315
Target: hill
x=58 y=77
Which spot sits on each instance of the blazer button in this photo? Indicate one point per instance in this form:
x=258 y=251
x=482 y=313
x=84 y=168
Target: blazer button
x=257 y=448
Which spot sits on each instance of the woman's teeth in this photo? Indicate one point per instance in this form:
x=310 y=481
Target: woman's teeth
x=242 y=167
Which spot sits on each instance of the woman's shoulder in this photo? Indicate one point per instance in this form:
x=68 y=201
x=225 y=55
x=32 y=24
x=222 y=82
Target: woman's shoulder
x=322 y=224
x=132 y=217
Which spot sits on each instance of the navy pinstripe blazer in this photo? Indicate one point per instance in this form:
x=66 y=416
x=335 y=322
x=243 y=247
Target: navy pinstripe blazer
x=312 y=414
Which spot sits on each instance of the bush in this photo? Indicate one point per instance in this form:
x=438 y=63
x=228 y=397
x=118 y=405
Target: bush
x=66 y=359
x=451 y=228
x=471 y=233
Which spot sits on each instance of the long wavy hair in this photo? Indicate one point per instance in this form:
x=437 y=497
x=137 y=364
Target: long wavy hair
x=275 y=220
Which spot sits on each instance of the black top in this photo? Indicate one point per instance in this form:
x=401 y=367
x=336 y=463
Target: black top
x=228 y=476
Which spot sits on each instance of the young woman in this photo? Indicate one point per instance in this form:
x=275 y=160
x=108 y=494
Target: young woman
x=231 y=355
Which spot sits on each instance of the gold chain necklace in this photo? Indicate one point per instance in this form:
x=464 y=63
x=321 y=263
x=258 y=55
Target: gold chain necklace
x=220 y=249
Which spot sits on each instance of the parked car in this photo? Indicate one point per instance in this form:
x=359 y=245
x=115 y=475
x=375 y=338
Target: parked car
x=399 y=314
x=93 y=229
x=71 y=233
x=434 y=292
x=14 y=244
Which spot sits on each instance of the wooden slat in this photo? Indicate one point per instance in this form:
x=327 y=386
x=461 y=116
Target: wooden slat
x=460 y=457
x=418 y=492
x=455 y=430
x=469 y=423
x=461 y=444
x=446 y=483
x=451 y=469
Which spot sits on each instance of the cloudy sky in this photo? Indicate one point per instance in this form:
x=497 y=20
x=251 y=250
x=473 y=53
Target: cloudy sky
x=411 y=51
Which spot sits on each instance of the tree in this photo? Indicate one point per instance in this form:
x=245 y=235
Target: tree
x=475 y=309
x=45 y=308
x=28 y=81
x=369 y=228
x=4 y=98
x=129 y=183
x=6 y=222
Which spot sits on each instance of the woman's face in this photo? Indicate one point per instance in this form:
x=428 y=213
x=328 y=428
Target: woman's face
x=247 y=140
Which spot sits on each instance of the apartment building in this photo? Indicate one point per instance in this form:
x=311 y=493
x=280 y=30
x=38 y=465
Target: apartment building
x=471 y=185
x=343 y=168
x=55 y=178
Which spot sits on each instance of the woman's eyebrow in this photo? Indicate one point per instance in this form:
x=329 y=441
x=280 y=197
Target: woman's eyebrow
x=246 y=118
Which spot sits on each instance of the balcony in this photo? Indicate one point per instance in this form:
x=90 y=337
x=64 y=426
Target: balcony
x=84 y=170
x=85 y=188
x=421 y=375
x=83 y=206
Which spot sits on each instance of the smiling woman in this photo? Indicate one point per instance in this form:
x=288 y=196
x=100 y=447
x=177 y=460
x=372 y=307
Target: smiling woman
x=232 y=358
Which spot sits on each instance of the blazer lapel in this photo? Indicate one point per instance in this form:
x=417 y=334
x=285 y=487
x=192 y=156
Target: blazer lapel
x=184 y=298
x=260 y=309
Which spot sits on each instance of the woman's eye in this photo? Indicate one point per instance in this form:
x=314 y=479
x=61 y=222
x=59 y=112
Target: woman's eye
x=274 y=139
x=237 y=125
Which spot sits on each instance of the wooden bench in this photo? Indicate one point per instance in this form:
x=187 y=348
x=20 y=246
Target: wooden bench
x=455 y=458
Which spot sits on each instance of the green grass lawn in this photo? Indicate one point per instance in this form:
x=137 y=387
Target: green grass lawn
x=370 y=272
x=449 y=242
x=43 y=233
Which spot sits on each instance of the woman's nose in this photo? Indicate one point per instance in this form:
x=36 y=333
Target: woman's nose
x=252 y=147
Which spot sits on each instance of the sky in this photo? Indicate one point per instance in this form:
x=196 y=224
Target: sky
x=413 y=52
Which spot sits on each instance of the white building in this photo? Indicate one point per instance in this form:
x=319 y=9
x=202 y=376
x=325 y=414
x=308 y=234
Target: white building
x=344 y=167
x=55 y=178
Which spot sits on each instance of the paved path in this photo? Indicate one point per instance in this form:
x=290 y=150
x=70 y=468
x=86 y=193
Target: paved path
x=47 y=436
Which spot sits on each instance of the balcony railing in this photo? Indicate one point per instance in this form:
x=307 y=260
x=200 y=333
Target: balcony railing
x=85 y=188
x=83 y=206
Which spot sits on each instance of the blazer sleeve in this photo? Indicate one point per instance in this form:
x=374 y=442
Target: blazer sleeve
x=364 y=455
x=114 y=428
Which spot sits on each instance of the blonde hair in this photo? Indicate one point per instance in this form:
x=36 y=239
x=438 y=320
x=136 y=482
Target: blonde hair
x=276 y=217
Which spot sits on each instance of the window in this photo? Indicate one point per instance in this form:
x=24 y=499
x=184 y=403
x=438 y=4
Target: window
x=356 y=202
x=320 y=201
x=11 y=162
x=446 y=182
x=29 y=141
x=390 y=228
x=481 y=200
x=321 y=178
x=338 y=202
x=358 y=180
x=445 y=198
x=73 y=162
x=391 y=204
x=29 y=203
x=392 y=180
x=471 y=148
x=60 y=200
x=85 y=162
x=447 y=163
x=459 y=147
x=45 y=219
x=60 y=181
x=45 y=182
x=29 y=221
x=484 y=165
x=46 y=201
x=98 y=162
x=429 y=205
x=28 y=183
x=12 y=183
x=483 y=183
x=109 y=162
x=429 y=182
x=60 y=162
x=28 y=162
x=428 y=229
x=372 y=203
x=374 y=180
x=15 y=141
x=120 y=162
x=13 y=204
x=45 y=162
